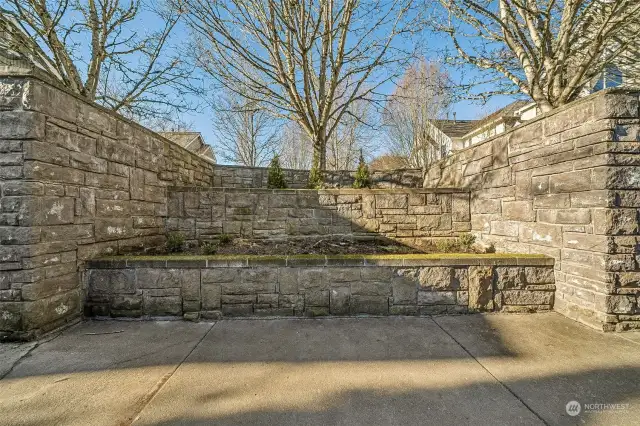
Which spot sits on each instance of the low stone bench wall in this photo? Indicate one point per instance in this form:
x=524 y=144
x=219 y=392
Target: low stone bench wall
x=216 y=287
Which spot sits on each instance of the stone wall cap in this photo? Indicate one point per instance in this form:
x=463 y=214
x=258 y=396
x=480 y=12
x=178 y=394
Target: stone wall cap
x=240 y=261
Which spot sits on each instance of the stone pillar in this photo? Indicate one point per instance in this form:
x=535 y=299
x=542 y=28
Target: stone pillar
x=39 y=285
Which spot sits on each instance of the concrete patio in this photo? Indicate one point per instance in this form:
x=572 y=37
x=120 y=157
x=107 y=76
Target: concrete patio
x=472 y=369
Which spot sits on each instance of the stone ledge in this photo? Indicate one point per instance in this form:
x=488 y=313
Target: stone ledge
x=198 y=262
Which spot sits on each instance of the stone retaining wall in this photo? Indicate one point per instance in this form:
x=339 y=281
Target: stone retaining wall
x=256 y=177
x=567 y=185
x=410 y=216
x=76 y=181
x=226 y=176
x=318 y=286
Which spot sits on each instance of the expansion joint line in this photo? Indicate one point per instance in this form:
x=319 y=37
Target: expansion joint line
x=146 y=400
x=41 y=341
x=504 y=385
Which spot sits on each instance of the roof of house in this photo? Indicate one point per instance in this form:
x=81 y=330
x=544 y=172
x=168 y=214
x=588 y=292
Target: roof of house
x=460 y=128
x=183 y=139
x=192 y=141
x=507 y=112
x=456 y=128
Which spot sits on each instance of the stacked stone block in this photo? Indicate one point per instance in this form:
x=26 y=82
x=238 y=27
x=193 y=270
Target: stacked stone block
x=412 y=216
x=381 y=179
x=318 y=286
x=256 y=177
x=566 y=184
x=75 y=182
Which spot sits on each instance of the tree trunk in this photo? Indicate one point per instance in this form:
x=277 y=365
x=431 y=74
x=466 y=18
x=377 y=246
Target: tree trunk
x=541 y=100
x=320 y=152
x=545 y=106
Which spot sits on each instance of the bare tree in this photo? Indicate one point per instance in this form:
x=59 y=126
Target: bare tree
x=546 y=49
x=160 y=124
x=306 y=60
x=343 y=147
x=352 y=134
x=95 y=48
x=409 y=118
x=295 y=147
x=388 y=162
x=246 y=133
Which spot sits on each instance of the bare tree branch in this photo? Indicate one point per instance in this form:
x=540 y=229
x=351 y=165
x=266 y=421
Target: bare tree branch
x=550 y=50
x=96 y=49
x=246 y=134
x=307 y=61
x=409 y=117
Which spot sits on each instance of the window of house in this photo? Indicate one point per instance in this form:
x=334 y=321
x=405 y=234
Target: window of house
x=611 y=77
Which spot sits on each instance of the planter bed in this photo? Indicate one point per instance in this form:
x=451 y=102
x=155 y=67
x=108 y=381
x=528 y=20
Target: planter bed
x=324 y=245
x=231 y=286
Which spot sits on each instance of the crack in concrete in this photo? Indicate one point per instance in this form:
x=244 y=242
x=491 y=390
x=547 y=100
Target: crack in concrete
x=46 y=339
x=19 y=360
x=622 y=336
x=146 y=399
x=504 y=385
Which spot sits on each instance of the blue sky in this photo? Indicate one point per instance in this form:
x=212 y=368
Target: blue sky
x=202 y=121
x=465 y=110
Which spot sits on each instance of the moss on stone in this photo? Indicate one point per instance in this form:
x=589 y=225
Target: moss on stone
x=337 y=256
x=262 y=257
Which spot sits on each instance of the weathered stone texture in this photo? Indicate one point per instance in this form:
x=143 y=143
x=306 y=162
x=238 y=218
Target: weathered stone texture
x=81 y=180
x=566 y=184
x=308 y=290
x=480 y=295
x=256 y=177
x=75 y=178
x=411 y=216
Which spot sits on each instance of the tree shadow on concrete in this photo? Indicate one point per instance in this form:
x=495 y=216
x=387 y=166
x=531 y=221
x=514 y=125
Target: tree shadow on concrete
x=398 y=370
x=476 y=403
x=104 y=345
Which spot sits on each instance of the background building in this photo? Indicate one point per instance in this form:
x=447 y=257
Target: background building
x=193 y=141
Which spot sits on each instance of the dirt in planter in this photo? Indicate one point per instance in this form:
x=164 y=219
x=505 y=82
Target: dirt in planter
x=328 y=246
x=323 y=246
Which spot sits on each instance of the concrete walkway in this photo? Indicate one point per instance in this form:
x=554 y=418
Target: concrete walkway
x=474 y=369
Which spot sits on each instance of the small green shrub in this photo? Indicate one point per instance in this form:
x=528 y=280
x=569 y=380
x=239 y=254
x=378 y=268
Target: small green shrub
x=225 y=239
x=175 y=242
x=208 y=247
x=363 y=177
x=447 y=245
x=467 y=240
x=275 y=178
